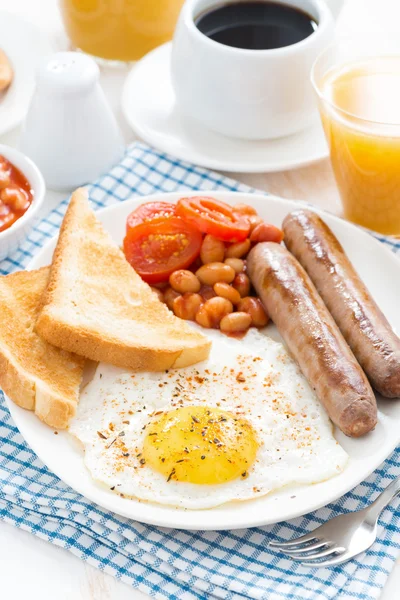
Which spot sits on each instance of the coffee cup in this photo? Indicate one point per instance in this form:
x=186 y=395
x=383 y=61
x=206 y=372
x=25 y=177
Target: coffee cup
x=247 y=93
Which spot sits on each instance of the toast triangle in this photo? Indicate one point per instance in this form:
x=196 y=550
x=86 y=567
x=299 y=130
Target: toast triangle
x=97 y=306
x=34 y=374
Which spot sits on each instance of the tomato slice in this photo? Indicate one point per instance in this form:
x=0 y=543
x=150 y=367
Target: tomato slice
x=214 y=217
x=149 y=211
x=156 y=248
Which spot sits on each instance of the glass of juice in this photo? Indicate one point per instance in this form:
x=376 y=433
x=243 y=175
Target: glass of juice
x=119 y=30
x=358 y=88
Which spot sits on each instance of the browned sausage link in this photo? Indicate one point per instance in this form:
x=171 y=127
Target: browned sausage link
x=313 y=338
x=362 y=323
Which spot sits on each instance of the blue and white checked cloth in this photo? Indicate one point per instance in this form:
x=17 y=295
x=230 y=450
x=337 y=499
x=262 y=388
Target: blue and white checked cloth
x=167 y=563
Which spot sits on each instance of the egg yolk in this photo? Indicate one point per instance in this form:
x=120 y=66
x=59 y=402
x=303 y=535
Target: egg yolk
x=202 y=445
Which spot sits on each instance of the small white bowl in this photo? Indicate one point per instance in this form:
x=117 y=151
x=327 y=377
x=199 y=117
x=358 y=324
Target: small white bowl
x=11 y=238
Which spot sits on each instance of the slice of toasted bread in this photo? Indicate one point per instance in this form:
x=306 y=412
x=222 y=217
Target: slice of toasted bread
x=97 y=306
x=34 y=374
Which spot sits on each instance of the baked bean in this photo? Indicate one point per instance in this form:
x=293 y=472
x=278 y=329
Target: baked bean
x=237 y=264
x=214 y=272
x=207 y=292
x=212 y=250
x=202 y=318
x=236 y=322
x=4 y=179
x=265 y=232
x=244 y=209
x=158 y=293
x=184 y=282
x=255 y=309
x=15 y=198
x=169 y=297
x=238 y=249
x=211 y=312
x=254 y=221
x=241 y=283
x=227 y=291
x=186 y=306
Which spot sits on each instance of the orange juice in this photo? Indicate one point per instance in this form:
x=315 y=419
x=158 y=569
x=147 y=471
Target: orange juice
x=121 y=30
x=360 y=110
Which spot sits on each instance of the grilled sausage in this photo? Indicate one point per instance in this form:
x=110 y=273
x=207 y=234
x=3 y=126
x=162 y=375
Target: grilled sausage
x=313 y=338
x=362 y=323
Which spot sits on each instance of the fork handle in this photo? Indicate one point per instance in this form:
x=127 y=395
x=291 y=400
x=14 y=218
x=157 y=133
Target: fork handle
x=374 y=511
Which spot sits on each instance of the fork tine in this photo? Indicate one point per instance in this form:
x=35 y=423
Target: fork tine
x=309 y=537
x=331 y=562
x=307 y=548
x=318 y=555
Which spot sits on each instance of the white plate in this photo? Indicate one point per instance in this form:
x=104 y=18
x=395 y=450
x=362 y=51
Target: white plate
x=379 y=268
x=148 y=103
x=25 y=46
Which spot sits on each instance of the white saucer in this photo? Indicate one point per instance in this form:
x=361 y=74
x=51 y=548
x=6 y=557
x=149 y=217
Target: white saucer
x=25 y=46
x=148 y=103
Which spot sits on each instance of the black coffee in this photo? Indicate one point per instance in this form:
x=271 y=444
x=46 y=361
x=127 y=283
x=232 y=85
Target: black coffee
x=261 y=25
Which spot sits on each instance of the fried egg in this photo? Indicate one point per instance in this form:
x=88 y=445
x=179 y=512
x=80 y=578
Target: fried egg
x=237 y=426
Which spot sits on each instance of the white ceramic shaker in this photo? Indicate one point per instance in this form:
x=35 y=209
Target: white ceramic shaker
x=70 y=131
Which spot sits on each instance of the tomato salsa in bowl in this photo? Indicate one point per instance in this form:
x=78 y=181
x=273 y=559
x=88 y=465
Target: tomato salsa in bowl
x=22 y=191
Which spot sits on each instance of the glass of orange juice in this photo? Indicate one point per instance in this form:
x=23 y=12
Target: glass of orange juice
x=358 y=87
x=119 y=30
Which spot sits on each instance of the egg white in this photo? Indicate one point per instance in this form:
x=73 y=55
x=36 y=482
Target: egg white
x=297 y=445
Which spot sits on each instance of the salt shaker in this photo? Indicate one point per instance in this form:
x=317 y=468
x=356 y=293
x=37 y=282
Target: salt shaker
x=70 y=131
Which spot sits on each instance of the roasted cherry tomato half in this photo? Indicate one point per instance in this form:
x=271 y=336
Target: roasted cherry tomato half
x=150 y=211
x=157 y=248
x=214 y=217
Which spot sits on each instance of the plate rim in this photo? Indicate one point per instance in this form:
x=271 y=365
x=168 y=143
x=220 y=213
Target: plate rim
x=208 y=162
x=169 y=521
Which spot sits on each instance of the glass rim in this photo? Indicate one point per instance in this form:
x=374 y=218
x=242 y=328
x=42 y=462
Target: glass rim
x=322 y=97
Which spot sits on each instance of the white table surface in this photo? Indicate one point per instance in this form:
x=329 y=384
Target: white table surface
x=32 y=568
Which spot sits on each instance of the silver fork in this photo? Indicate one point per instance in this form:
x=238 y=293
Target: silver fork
x=341 y=538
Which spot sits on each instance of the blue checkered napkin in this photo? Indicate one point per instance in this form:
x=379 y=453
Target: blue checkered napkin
x=167 y=563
